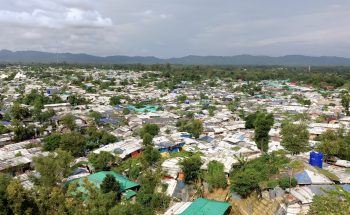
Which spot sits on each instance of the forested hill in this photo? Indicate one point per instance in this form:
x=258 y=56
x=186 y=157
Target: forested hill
x=45 y=57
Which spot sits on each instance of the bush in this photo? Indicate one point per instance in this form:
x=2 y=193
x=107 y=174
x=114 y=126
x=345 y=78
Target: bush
x=216 y=174
x=284 y=182
x=164 y=187
x=190 y=167
x=210 y=189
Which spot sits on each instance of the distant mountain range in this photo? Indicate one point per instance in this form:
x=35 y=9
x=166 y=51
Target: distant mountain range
x=7 y=56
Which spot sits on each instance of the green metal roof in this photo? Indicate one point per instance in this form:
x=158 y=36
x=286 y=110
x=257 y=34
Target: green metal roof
x=124 y=182
x=129 y=193
x=97 y=179
x=208 y=207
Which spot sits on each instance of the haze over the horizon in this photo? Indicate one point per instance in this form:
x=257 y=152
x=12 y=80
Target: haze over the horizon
x=167 y=29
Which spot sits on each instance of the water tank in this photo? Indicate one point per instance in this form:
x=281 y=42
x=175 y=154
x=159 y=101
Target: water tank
x=316 y=159
x=48 y=91
x=247 y=82
x=187 y=102
x=175 y=91
x=207 y=105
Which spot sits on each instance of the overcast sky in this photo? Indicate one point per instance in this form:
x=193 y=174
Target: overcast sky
x=177 y=28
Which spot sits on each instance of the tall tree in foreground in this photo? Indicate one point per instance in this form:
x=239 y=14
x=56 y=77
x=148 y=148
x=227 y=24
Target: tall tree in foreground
x=295 y=138
x=263 y=124
x=4 y=183
x=109 y=184
x=54 y=167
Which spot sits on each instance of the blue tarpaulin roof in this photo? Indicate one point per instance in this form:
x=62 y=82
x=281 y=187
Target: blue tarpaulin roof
x=79 y=171
x=163 y=150
x=303 y=178
x=240 y=137
x=174 y=150
x=165 y=145
x=207 y=138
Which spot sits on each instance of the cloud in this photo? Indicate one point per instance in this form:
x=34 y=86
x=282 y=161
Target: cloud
x=163 y=16
x=336 y=6
x=31 y=35
x=147 y=12
x=69 y=17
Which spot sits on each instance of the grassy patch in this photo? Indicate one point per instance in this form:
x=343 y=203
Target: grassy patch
x=297 y=165
x=236 y=148
x=327 y=174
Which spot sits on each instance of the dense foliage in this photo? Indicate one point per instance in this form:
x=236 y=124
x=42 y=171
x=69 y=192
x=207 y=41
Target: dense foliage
x=245 y=178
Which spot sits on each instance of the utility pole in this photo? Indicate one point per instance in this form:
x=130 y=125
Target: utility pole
x=56 y=52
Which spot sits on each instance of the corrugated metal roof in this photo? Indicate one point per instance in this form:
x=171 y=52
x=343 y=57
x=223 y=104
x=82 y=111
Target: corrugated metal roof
x=303 y=178
x=208 y=207
x=177 y=208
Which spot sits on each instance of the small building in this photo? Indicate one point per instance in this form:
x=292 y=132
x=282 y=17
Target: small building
x=97 y=178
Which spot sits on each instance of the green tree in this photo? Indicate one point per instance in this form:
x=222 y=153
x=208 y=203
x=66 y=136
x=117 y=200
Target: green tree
x=110 y=184
x=190 y=168
x=295 y=138
x=345 y=100
x=250 y=120
x=181 y=99
x=330 y=203
x=96 y=117
x=69 y=122
x=242 y=161
x=126 y=111
x=263 y=125
x=19 y=199
x=100 y=161
x=18 y=112
x=147 y=139
x=73 y=142
x=244 y=181
x=3 y=129
x=197 y=128
x=151 y=155
x=335 y=143
x=53 y=168
x=129 y=208
x=4 y=204
x=52 y=142
x=23 y=133
x=152 y=129
x=216 y=174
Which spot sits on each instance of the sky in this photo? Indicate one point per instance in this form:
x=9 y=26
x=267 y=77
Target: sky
x=177 y=28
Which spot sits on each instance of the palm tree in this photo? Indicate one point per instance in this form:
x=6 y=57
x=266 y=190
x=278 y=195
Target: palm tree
x=242 y=161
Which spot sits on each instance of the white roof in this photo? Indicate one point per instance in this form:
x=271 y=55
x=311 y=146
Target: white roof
x=128 y=147
x=177 y=208
x=303 y=194
x=171 y=186
x=171 y=167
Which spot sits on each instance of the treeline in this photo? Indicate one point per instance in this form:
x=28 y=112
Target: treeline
x=319 y=76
